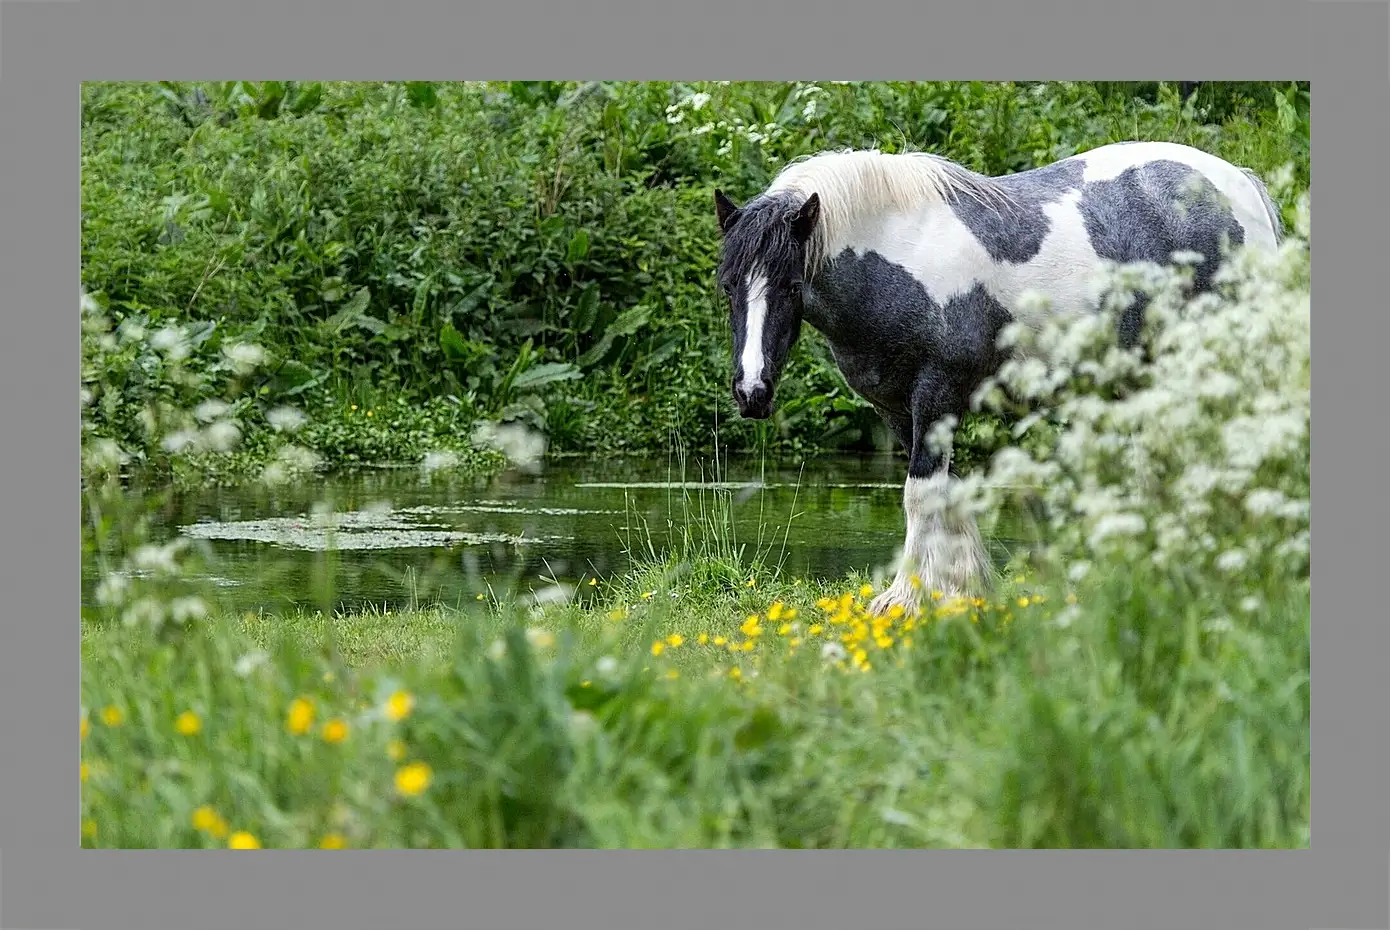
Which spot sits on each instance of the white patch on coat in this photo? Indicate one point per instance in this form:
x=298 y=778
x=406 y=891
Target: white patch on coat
x=755 y=316
x=945 y=257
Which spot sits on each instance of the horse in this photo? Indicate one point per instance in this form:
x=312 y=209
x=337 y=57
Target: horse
x=910 y=265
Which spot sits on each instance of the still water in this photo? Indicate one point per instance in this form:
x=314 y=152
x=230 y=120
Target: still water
x=397 y=536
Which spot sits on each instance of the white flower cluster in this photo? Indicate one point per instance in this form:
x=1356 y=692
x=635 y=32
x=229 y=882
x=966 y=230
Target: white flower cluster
x=699 y=118
x=1198 y=457
x=140 y=586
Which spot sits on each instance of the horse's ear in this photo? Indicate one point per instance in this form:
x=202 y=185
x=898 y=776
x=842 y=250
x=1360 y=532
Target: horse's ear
x=725 y=210
x=804 y=220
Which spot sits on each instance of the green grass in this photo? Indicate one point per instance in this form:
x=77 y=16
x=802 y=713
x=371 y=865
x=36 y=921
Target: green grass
x=994 y=725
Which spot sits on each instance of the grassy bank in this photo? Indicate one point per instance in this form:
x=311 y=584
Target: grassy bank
x=540 y=253
x=663 y=715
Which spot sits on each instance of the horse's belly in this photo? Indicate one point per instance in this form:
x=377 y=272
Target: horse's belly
x=886 y=383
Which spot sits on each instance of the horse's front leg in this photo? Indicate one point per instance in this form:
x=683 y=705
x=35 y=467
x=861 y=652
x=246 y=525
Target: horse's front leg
x=942 y=547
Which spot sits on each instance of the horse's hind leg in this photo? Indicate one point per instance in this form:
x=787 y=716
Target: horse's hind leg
x=1132 y=322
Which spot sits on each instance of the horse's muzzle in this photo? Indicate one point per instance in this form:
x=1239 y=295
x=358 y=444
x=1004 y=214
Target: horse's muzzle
x=754 y=403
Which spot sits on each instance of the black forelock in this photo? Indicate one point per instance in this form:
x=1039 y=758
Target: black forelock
x=762 y=235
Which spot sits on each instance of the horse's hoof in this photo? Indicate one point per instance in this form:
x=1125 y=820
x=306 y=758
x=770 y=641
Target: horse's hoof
x=897 y=595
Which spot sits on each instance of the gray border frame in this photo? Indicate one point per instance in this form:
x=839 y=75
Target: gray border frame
x=48 y=48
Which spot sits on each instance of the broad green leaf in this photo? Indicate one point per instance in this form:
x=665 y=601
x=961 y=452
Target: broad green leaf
x=630 y=321
x=587 y=310
x=579 y=246
x=421 y=94
x=307 y=98
x=596 y=352
x=547 y=373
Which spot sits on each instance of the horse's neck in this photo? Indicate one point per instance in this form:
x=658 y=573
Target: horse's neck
x=843 y=295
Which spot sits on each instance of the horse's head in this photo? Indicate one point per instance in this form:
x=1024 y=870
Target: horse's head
x=761 y=271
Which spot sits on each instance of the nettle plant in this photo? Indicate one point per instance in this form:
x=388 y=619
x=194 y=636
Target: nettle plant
x=1195 y=458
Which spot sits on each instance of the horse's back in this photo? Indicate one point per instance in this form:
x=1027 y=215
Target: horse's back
x=1148 y=178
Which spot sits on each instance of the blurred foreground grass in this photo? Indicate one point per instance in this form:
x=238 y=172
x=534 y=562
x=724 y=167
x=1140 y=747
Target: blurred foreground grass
x=771 y=715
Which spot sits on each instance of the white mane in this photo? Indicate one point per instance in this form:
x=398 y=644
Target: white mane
x=852 y=184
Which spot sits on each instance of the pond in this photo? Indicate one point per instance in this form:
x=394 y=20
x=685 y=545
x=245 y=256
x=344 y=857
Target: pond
x=394 y=537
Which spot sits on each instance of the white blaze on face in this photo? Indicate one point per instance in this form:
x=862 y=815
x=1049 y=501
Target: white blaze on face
x=755 y=315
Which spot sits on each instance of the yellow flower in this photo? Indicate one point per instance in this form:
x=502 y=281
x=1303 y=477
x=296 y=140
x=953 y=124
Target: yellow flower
x=790 y=613
x=866 y=590
x=1023 y=602
x=478 y=596
x=89 y=829
x=352 y=407
x=111 y=716
x=747 y=646
x=86 y=772
x=675 y=639
x=396 y=750
x=915 y=581
x=188 y=723
x=673 y=673
x=794 y=642
x=335 y=730
x=749 y=583
x=593 y=582
x=735 y=673
x=657 y=647
x=540 y=639
x=814 y=629
x=784 y=629
x=369 y=413
x=399 y=705
x=703 y=638
x=413 y=779
x=647 y=595
x=895 y=611
x=719 y=640
x=209 y=821
x=300 y=717
x=333 y=841
x=84 y=729
x=243 y=840
x=775 y=612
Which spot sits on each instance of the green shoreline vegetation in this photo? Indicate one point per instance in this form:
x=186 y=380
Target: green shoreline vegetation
x=445 y=255
x=283 y=279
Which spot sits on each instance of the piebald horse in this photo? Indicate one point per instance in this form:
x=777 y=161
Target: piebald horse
x=910 y=265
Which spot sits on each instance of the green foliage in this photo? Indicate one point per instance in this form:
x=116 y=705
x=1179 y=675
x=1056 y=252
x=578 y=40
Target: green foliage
x=541 y=251
x=403 y=271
